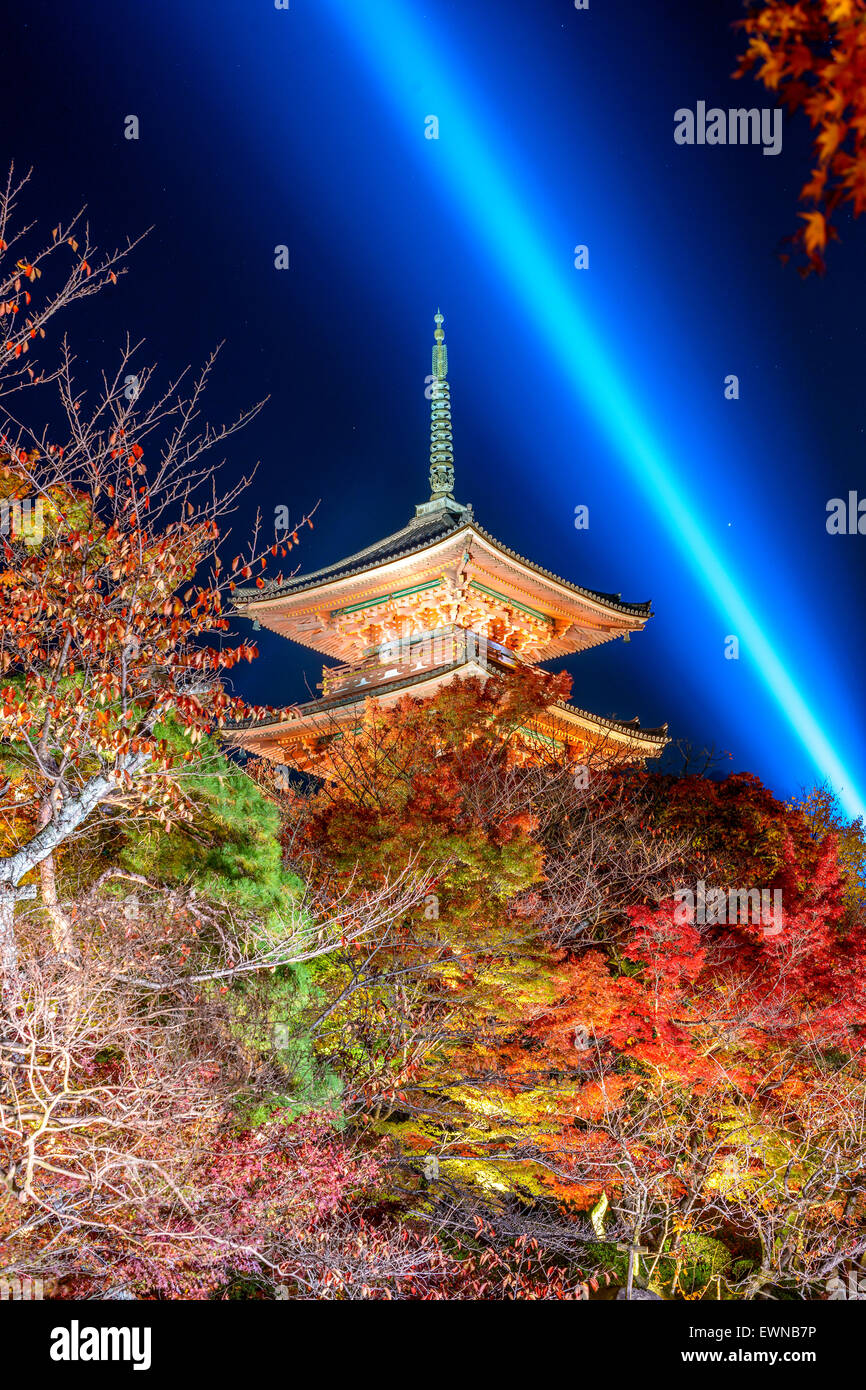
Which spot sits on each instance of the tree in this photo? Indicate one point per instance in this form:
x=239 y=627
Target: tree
x=563 y=1033
x=824 y=816
x=114 y=1096
x=442 y=788
x=98 y=648
x=706 y=1079
x=28 y=307
x=521 y=859
x=813 y=54
x=112 y=590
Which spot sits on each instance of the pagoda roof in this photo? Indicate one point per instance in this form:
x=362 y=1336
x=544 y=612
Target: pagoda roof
x=420 y=533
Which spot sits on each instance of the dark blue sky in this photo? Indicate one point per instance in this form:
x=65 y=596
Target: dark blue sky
x=305 y=127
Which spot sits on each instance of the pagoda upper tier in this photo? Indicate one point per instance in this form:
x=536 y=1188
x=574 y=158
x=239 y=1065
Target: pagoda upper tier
x=440 y=570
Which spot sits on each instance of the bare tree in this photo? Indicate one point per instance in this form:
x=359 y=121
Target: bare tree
x=111 y=1095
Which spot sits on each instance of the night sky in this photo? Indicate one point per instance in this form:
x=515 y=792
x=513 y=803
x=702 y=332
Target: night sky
x=605 y=387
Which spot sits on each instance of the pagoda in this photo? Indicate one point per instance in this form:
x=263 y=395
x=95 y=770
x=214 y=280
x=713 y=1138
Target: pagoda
x=438 y=600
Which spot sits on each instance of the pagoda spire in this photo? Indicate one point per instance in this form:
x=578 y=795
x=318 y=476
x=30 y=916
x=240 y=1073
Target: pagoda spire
x=441 y=445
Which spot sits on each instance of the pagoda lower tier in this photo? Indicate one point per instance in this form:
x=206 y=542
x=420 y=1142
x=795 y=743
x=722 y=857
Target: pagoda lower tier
x=302 y=736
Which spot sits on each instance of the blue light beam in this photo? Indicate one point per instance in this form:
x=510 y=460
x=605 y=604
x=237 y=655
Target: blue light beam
x=403 y=53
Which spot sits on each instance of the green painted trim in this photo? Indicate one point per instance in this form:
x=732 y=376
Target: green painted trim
x=512 y=602
x=384 y=598
x=556 y=743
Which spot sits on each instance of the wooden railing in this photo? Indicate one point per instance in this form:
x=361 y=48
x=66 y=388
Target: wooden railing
x=407 y=656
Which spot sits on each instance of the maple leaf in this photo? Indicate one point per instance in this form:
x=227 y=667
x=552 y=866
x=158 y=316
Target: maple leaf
x=814 y=189
x=815 y=231
x=829 y=139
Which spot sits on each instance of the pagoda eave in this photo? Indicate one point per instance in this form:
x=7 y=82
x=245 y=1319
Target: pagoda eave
x=462 y=578
x=298 y=737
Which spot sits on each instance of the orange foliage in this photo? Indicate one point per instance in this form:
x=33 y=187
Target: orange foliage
x=813 y=54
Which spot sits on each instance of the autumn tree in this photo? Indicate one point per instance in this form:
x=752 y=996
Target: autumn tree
x=110 y=514
x=99 y=649
x=524 y=859
x=114 y=1093
x=812 y=54
x=569 y=1044
x=703 y=1078
x=76 y=268
x=824 y=816
x=29 y=304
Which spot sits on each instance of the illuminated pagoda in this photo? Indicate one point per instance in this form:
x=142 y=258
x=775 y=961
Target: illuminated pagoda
x=438 y=600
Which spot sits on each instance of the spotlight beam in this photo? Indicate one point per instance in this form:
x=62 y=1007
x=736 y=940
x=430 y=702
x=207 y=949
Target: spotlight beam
x=402 y=51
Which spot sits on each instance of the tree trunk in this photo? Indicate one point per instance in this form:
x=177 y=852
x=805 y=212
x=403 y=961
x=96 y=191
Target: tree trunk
x=8 y=950
x=63 y=822
x=62 y=936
